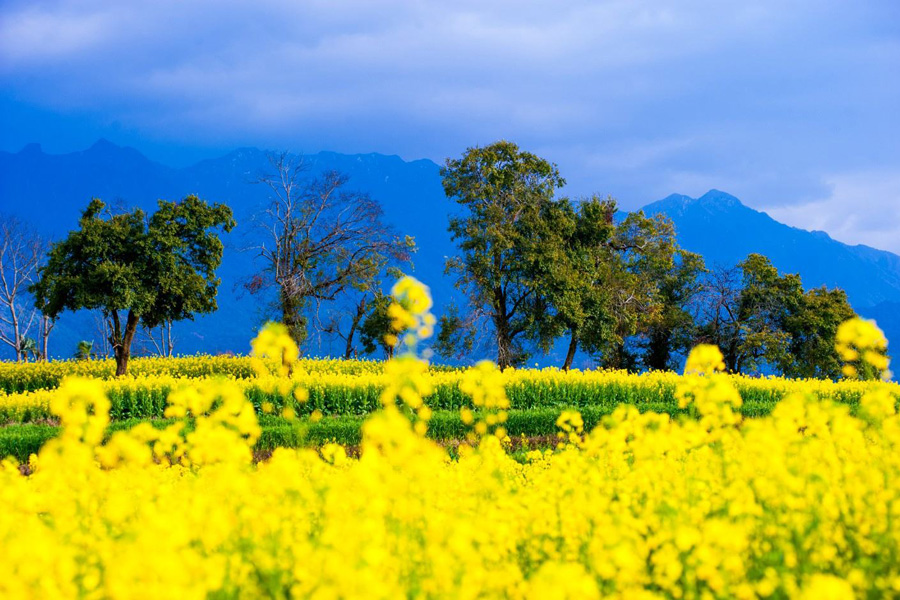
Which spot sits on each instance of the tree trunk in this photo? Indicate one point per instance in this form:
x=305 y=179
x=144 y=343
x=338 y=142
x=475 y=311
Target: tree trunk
x=570 y=355
x=46 y=327
x=732 y=359
x=659 y=349
x=354 y=325
x=122 y=345
x=291 y=316
x=348 y=349
x=17 y=336
x=504 y=344
x=170 y=345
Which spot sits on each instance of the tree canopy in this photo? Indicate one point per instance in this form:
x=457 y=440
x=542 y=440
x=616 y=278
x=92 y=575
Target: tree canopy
x=601 y=284
x=763 y=319
x=154 y=270
x=505 y=193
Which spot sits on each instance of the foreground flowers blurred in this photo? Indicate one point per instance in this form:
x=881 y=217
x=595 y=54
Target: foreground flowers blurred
x=805 y=502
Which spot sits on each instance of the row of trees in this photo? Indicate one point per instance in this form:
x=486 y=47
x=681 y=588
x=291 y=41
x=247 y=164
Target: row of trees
x=140 y=272
x=22 y=251
x=762 y=319
x=534 y=267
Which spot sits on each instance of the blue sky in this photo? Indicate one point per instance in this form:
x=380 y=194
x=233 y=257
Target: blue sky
x=791 y=105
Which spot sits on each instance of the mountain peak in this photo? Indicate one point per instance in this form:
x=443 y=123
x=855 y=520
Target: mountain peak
x=719 y=198
x=32 y=148
x=724 y=230
x=106 y=152
x=714 y=201
x=103 y=145
x=677 y=199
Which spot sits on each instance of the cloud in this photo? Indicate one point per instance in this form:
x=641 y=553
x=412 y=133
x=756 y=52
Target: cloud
x=861 y=208
x=638 y=99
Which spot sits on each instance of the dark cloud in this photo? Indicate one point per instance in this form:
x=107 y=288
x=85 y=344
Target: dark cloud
x=777 y=102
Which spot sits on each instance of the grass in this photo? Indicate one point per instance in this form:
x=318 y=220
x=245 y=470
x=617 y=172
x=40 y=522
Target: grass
x=21 y=440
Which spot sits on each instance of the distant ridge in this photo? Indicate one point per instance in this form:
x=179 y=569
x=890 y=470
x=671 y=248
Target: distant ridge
x=724 y=230
x=50 y=191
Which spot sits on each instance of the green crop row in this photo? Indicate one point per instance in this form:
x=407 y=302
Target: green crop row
x=130 y=401
x=20 y=441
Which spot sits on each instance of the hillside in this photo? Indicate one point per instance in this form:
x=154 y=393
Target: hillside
x=50 y=191
x=722 y=229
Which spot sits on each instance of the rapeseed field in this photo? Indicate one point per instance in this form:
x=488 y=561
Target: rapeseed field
x=703 y=501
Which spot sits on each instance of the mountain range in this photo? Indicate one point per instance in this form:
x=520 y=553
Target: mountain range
x=50 y=190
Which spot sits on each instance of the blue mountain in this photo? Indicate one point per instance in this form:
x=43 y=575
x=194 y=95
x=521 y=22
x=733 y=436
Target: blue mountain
x=50 y=191
x=724 y=231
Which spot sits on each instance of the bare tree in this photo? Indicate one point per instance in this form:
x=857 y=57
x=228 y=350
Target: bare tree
x=21 y=252
x=321 y=240
x=46 y=325
x=103 y=331
x=718 y=306
x=158 y=340
x=354 y=316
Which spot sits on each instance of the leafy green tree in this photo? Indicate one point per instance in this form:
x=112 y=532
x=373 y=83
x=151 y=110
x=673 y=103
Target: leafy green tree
x=646 y=248
x=29 y=349
x=456 y=334
x=759 y=317
x=376 y=329
x=346 y=319
x=505 y=193
x=673 y=329
x=767 y=302
x=84 y=351
x=813 y=332
x=152 y=269
x=747 y=311
x=599 y=277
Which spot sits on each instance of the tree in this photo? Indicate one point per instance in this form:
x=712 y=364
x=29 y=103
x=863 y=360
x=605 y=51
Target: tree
x=103 y=333
x=505 y=193
x=323 y=240
x=759 y=317
x=159 y=341
x=456 y=334
x=673 y=330
x=767 y=302
x=29 y=348
x=84 y=351
x=599 y=278
x=643 y=250
x=813 y=333
x=45 y=326
x=136 y=269
x=747 y=312
x=21 y=252
x=377 y=327
x=719 y=301
x=336 y=321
